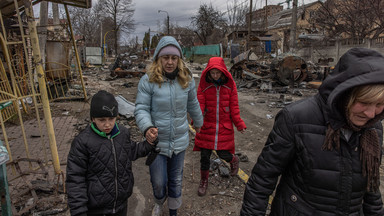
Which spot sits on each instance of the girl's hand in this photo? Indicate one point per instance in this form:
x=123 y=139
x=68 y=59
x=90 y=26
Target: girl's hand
x=243 y=131
x=151 y=135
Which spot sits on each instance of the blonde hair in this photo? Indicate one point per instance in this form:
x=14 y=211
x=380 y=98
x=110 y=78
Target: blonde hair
x=372 y=93
x=155 y=73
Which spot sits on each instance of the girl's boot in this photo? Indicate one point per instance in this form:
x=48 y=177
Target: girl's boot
x=234 y=165
x=203 y=182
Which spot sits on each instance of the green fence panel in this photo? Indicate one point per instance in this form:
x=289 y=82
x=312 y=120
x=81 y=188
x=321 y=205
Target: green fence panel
x=4 y=190
x=213 y=50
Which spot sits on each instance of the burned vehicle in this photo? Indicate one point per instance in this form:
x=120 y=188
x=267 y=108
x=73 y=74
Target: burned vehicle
x=286 y=70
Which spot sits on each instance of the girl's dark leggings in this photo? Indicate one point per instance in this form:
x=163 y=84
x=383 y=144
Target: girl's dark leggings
x=206 y=157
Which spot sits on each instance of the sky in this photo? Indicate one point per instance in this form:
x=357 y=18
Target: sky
x=180 y=11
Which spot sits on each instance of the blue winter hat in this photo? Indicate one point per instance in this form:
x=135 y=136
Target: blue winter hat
x=166 y=41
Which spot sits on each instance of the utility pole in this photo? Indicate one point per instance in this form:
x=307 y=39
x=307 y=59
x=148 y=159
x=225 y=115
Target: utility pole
x=265 y=25
x=55 y=14
x=293 y=27
x=249 y=25
x=266 y=16
x=167 y=23
x=101 y=34
x=149 y=35
x=167 y=19
x=43 y=29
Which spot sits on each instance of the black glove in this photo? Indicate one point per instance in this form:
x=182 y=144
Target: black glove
x=152 y=155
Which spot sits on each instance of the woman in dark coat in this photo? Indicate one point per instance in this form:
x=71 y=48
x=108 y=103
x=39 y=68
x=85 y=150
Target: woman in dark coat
x=327 y=148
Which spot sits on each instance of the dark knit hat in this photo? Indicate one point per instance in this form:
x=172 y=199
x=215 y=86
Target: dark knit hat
x=103 y=104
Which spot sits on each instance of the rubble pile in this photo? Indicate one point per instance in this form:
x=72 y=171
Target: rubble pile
x=128 y=65
x=284 y=70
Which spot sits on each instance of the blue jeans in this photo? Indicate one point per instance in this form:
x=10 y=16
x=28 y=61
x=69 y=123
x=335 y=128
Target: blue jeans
x=166 y=178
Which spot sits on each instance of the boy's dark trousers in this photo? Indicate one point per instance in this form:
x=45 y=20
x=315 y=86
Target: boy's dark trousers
x=120 y=213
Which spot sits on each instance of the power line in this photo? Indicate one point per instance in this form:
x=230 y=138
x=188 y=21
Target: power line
x=226 y=11
x=246 y=1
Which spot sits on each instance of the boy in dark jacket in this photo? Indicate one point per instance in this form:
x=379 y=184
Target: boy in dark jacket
x=99 y=168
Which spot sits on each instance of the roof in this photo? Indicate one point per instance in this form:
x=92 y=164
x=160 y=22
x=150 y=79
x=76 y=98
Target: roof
x=245 y=30
x=268 y=38
x=311 y=36
x=284 y=17
x=7 y=7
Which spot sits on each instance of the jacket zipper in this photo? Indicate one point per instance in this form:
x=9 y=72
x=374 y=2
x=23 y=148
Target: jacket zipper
x=114 y=156
x=217 y=115
x=171 y=91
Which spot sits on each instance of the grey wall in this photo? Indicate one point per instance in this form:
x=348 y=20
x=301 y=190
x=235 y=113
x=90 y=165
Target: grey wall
x=337 y=49
x=93 y=55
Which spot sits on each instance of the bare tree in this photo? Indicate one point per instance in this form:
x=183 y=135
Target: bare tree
x=236 y=13
x=207 y=21
x=376 y=15
x=356 y=19
x=86 y=22
x=121 y=12
x=185 y=36
x=154 y=41
x=146 y=40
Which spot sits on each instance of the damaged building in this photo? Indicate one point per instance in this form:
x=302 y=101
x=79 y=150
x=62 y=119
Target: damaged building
x=32 y=75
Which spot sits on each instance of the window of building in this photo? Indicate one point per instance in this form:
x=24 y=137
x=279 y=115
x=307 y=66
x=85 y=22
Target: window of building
x=303 y=15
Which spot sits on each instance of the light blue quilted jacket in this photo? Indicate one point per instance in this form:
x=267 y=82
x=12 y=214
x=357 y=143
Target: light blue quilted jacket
x=166 y=108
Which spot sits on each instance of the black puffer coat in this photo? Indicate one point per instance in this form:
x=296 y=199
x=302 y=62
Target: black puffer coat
x=313 y=181
x=99 y=170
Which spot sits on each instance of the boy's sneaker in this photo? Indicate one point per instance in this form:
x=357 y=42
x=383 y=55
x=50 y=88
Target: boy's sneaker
x=157 y=210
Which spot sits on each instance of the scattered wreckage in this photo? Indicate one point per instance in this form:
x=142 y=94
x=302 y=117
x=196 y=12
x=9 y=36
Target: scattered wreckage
x=285 y=70
x=127 y=65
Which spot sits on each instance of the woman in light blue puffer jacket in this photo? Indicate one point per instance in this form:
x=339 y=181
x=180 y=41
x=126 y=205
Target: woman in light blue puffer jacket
x=165 y=95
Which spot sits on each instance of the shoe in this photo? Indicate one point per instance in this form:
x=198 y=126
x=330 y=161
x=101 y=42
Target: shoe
x=172 y=212
x=157 y=210
x=234 y=165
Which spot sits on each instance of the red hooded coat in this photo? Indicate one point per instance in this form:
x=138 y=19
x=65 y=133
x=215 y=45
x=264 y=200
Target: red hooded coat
x=220 y=108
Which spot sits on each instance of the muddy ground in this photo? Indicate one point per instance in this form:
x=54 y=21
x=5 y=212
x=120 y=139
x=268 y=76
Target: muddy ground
x=224 y=195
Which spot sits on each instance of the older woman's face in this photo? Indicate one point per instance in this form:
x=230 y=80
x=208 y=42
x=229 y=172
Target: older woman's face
x=169 y=62
x=360 y=113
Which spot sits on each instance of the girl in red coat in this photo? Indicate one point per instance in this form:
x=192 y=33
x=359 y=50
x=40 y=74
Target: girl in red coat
x=217 y=95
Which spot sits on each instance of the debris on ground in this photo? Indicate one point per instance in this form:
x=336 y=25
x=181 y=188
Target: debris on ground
x=285 y=70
